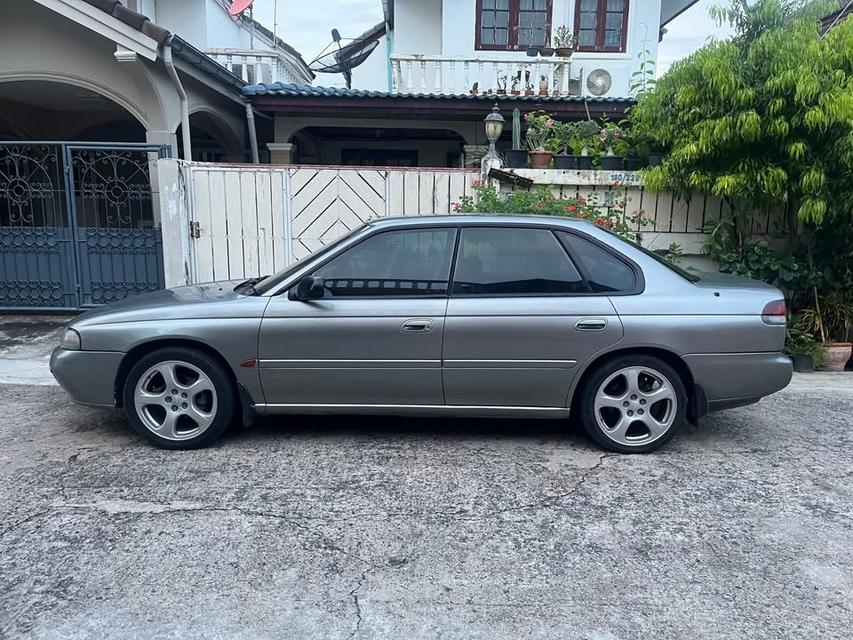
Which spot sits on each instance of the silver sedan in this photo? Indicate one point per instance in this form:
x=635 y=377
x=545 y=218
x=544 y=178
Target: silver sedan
x=454 y=315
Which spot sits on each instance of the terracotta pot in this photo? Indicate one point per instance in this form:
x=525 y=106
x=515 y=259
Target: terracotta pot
x=836 y=355
x=528 y=92
x=540 y=159
x=515 y=92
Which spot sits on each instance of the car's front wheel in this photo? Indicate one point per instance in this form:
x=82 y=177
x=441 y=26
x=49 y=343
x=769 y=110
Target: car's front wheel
x=633 y=404
x=179 y=398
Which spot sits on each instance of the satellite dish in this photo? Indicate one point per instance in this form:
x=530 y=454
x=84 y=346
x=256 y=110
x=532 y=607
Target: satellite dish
x=239 y=6
x=343 y=59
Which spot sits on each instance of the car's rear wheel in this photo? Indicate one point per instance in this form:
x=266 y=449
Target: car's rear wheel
x=633 y=404
x=179 y=398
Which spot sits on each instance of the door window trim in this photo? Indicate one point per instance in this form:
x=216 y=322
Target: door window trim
x=639 y=280
x=432 y=296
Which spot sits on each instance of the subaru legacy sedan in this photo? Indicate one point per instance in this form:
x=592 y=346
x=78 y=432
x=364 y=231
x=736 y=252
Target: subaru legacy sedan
x=444 y=316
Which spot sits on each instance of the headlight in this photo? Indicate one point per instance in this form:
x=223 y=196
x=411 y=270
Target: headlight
x=70 y=340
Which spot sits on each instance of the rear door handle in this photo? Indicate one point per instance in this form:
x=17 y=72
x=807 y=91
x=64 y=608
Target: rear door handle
x=591 y=324
x=419 y=325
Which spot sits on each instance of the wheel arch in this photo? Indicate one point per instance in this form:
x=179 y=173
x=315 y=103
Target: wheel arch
x=143 y=349
x=696 y=397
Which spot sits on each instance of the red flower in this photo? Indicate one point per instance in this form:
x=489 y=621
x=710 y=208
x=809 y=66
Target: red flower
x=571 y=208
x=457 y=207
x=476 y=183
x=601 y=223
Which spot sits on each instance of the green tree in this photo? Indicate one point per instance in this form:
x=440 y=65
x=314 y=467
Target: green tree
x=763 y=119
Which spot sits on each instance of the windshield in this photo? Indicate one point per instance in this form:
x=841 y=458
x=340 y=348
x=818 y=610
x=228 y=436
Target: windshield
x=270 y=282
x=687 y=275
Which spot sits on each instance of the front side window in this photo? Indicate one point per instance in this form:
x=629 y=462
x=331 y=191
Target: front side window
x=601 y=25
x=512 y=261
x=393 y=263
x=512 y=24
x=604 y=272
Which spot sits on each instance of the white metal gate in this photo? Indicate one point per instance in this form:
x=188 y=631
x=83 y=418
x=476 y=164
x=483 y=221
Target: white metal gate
x=253 y=220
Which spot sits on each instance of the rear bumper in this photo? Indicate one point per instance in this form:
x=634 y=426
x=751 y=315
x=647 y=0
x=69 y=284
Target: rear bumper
x=87 y=376
x=735 y=379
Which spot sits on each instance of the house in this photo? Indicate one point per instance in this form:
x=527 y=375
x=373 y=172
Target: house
x=96 y=70
x=420 y=97
x=92 y=92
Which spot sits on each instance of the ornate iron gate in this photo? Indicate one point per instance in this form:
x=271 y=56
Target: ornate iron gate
x=77 y=224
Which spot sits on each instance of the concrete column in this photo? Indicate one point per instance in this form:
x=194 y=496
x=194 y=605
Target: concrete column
x=174 y=221
x=163 y=137
x=282 y=152
x=472 y=154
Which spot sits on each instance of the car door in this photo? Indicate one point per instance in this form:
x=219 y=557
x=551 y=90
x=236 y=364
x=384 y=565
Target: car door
x=374 y=337
x=520 y=319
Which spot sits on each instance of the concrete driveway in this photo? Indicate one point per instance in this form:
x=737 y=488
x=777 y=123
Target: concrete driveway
x=402 y=528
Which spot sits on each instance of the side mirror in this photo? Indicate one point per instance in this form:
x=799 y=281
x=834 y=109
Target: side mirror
x=309 y=288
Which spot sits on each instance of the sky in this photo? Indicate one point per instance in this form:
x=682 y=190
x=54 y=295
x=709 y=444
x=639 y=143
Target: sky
x=306 y=25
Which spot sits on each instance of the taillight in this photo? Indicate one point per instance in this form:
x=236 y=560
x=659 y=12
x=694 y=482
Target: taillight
x=775 y=312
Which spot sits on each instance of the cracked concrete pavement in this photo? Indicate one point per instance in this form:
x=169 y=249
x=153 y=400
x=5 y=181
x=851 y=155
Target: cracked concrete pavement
x=401 y=528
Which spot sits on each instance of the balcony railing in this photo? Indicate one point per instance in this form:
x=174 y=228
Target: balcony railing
x=457 y=75
x=254 y=65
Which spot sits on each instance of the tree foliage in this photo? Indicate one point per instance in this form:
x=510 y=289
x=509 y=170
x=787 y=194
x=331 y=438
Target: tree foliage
x=763 y=119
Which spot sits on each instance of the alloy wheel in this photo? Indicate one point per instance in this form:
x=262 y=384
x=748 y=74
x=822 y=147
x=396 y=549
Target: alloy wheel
x=175 y=400
x=635 y=406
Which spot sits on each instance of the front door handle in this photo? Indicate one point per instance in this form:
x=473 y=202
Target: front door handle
x=591 y=324
x=417 y=325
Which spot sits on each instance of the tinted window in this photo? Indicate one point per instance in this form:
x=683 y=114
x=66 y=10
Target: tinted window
x=513 y=261
x=604 y=271
x=395 y=263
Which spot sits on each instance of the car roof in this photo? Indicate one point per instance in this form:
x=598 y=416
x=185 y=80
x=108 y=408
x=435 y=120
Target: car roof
x=476 y=219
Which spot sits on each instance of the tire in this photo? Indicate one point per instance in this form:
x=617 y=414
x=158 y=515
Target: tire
x=206 y=398
x=656 y=404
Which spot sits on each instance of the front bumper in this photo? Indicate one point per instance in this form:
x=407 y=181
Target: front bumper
x=735 y=379
x=88 y=376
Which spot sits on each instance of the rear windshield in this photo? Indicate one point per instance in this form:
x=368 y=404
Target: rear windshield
x=687 y=275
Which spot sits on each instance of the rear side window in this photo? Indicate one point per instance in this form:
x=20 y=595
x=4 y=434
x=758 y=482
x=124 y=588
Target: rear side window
x=394 y=263
x=605 y=272
x=513 y=261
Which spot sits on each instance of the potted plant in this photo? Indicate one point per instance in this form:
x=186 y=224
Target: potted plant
x=475 y=88
x=547 y=51
x=539 y=125
x=802 y=347
x=516 y=82
x=501 y=83
x=543 y=85
x=528 y=86
x=564 y=41
x=585 y=136
x=532 y=49
x=633 y=162
x=655 y=158
x=561 y=143
x=615 y=147
x=516 y=157
x=831 y=319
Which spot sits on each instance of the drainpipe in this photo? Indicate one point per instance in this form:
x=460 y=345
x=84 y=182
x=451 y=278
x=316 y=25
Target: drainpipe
x=253 y=134
x=185 y=112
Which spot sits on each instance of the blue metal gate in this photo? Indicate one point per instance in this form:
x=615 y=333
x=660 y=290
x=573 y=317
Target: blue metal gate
x=77 y=224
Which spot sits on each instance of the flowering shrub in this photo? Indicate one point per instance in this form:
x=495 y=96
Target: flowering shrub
x=541 y=202
x=540 y=129
x=613 y=138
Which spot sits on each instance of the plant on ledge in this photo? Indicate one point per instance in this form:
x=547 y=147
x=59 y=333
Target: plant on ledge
x=540 y=130
x=540 y=201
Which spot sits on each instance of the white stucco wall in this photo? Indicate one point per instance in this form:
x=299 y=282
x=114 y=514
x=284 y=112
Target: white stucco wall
x=372 y=74
x=421 y=27
x=184 y=17
x=418 y=25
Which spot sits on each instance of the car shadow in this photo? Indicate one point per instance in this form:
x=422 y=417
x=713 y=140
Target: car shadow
x=406 y=426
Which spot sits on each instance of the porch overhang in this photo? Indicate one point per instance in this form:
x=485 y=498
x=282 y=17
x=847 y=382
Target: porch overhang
x=325 y=102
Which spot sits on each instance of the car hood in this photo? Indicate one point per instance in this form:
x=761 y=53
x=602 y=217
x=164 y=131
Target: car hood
x=211 y=299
